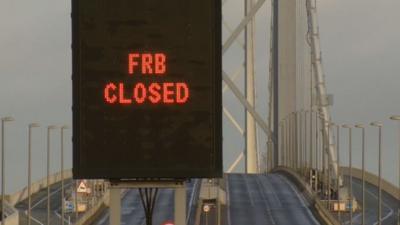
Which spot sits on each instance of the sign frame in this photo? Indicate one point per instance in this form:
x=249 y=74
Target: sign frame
x=80 y=172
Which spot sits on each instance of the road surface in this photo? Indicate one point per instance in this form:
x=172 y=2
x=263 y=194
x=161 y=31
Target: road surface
x=39 y=206
x=389 y=204
x=264 y=200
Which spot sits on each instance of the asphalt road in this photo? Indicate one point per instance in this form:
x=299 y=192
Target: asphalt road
x=132 y=210
x=389 y=204
x=265 y=199
x=39 y=206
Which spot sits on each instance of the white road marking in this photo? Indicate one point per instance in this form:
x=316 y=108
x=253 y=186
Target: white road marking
x=265 y=200
x=191 y=201
x=376 y=197
x=51 y=194
x=33 y=218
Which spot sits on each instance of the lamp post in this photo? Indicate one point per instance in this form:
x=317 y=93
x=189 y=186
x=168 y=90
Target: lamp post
x=311 y=143
x=49 y=128
x=316 y=153
x=329 y=165
x=291 y=141
x=62 y=173
x=397 y=118
x=361 y=126
x=323 y=154
x=350 y=173
x=285 y=150
x=287 y=141
x=379 y=126
x=305 y=151
x=3 y=186
x=338 y=168
x=281 y=142
x=31 y=126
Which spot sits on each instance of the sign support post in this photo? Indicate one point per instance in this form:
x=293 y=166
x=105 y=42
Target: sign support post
x=180 y=205
x=115 y=206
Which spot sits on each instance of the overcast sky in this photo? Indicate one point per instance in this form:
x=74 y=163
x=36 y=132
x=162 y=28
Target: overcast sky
x=360 y=44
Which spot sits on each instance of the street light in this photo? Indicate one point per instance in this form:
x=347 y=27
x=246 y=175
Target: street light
x=338 y=168
x=397 y=118
x=379 y=125
x=305 y=151
x=49 y=128
x=316 y=152
x=30 y=127
x=360 y=126
x=287 y=142
x=350 y=173
x=282 y=142
x=329 y=124
x=62 y=173
x=3 y=186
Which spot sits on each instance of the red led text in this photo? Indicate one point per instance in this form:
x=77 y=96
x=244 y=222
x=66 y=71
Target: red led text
x=155 y=93
x=162 y=92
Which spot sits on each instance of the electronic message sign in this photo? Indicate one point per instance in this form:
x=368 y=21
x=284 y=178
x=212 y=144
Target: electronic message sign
x=146 y=89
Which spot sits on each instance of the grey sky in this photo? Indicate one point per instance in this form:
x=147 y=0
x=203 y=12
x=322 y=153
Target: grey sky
x=361 y=60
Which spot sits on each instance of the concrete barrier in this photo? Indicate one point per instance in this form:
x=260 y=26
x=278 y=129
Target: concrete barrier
x=12 y=215
x=372 y=179
x=91 y=214
x=36 y=187
x=318 y=209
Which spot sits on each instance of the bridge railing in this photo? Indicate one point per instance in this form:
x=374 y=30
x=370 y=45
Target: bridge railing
x=37 y=186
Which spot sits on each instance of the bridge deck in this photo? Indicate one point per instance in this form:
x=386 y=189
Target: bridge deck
x=266 y=199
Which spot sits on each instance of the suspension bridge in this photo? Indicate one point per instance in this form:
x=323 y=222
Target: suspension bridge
x=298 y=177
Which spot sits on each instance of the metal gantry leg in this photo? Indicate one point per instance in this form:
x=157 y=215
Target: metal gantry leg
x=180 y=206
x=115 y=206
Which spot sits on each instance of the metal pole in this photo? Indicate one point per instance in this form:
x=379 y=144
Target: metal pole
x=323 y=153
x=3 y=186
x=180 y=205
x=305 y=145
x=115 y=206
x=351 y=177
x=48 y=176
x=32 y=125
x=62 y=174
x=293 y=153
x=316 y=153
x=275 y=66
x=2 y=173
x=287 y=142
x=379 y=125
x=281 y=154
x=311 y=137
x=397 y=118
x=294 y=141
x=350 y=174
x=338 y=173
x=363 y=176
x=29 y=172
x=363 y=170
x=329 y=168
x=380 y=175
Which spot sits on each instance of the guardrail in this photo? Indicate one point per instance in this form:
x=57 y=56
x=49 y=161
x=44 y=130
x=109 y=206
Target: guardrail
x=374 y=180
x=36 y=187
x=11 y=215
x=318 y=208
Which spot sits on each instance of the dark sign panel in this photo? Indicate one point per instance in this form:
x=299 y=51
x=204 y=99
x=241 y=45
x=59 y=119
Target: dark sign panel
x=147 y=89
